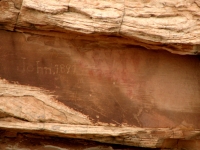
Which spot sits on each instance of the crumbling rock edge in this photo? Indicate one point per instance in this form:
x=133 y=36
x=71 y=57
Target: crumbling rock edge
x=131 y=136
x=156 y=25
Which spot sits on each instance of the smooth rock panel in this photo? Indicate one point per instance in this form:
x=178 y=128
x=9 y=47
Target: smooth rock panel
x=101 y=82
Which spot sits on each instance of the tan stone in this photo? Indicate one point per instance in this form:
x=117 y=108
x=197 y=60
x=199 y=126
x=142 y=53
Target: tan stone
x=159 y=25
x=9 y=13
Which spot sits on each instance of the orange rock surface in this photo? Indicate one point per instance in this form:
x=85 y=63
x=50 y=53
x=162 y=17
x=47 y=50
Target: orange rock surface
x=96 y=70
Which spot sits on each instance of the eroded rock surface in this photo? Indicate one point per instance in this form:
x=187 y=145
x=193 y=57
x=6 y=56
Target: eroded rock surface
x=160 y=25
x=90 y=89
x=15 y=140
x=88 y=70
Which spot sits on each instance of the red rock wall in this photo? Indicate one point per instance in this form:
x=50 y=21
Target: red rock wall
x=109 y=83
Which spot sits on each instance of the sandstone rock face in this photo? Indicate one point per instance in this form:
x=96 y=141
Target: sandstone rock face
x=88 y=89
x=89 y=70
x=167 y=25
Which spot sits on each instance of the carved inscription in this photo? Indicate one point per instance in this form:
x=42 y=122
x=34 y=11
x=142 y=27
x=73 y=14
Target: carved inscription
x=40 y=68
x=136 y=85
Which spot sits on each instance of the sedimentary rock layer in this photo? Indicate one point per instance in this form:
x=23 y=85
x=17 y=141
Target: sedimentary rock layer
x=140 y=137
x=161 y=25
x=88 y=69
x=16 y=140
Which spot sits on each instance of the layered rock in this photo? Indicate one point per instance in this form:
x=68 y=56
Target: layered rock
x=167 y=25
x=89 y=70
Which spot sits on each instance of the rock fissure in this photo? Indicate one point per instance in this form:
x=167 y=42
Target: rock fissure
x=19 y=8
x=122 y=18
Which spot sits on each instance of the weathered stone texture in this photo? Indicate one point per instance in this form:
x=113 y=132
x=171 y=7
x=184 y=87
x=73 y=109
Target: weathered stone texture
x=16 y=140
x=9 y=13
x=101 y=86
x=85 y=69
x=169 y=25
